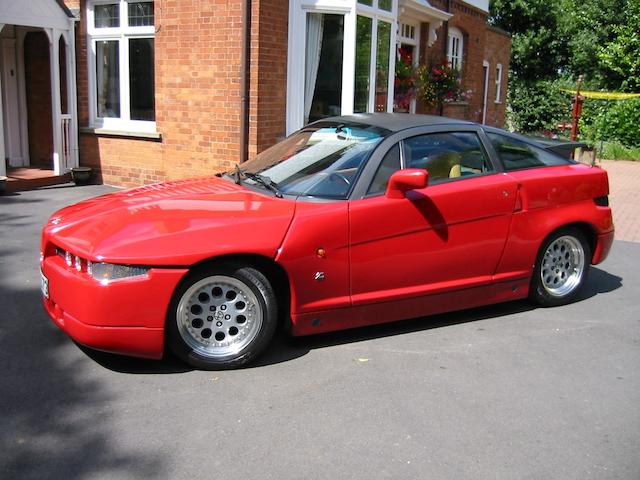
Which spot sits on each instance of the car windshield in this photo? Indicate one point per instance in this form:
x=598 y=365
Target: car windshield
x=322 y=160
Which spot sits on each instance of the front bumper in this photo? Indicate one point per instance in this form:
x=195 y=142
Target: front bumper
x=125 y=317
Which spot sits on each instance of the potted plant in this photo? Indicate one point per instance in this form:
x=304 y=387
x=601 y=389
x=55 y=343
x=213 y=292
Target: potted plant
x=81 y=175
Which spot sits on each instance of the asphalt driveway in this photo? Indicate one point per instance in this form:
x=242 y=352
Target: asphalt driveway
x=501 y=392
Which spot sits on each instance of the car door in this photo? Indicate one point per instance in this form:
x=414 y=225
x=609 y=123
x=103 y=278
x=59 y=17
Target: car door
x=442 y=238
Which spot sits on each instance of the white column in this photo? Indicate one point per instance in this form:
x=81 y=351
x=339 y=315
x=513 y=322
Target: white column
x=21 y=33
x=54 y=48
x=3 y=166
x=72 y=94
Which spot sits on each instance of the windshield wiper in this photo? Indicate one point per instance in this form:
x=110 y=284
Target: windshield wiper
x=237 y=174
x=264 y=181
x=256 y=177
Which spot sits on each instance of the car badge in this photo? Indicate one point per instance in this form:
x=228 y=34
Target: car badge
x=56 y=220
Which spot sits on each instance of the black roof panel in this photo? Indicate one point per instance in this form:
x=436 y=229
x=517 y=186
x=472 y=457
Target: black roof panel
x=396 y=121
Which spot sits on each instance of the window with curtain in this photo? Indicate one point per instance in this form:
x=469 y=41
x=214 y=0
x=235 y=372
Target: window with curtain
x=323 y=66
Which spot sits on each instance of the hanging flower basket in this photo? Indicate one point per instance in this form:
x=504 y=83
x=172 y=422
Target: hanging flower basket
x=439 y=84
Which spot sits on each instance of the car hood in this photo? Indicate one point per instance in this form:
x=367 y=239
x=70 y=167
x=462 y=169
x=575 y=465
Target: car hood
x=173 y=223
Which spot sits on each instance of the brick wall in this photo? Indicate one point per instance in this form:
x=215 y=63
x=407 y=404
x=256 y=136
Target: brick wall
x=497 y=51
x=270 y=20
x=197 y=92
x=38 y=86
x=197 y=87
x=481 y=42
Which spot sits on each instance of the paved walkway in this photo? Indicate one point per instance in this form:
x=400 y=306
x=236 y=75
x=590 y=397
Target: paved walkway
x=624 y=197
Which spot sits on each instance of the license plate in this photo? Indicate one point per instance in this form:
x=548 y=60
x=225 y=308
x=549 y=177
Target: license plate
x=44 y=285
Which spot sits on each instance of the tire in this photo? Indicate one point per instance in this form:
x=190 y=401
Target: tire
x=222 y=318
x=561 y=268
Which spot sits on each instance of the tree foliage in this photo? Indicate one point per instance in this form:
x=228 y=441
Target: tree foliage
x=621 y=55
x=555 y=42
x=538 y=51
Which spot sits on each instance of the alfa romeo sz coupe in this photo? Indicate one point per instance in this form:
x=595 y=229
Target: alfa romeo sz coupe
x=351 y=221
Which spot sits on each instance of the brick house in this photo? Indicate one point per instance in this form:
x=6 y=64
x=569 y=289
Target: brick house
x=145 y=91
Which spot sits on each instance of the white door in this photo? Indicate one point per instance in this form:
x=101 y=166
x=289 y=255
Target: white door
x=10 y=106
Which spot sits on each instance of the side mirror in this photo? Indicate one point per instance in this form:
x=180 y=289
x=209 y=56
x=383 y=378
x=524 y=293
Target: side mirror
x=404 y=180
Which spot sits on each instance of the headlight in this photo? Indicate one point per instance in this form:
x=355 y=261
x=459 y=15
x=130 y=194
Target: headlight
x=108 y=272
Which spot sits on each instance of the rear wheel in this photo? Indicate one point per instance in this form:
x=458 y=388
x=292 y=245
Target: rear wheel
x=222 y=318
x=561 y=268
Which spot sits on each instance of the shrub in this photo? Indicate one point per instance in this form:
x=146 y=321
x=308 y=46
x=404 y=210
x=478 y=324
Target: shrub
x=612 y=121
x=537 y=106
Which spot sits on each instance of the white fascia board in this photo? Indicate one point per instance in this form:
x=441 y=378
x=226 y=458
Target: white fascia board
x=422 y=11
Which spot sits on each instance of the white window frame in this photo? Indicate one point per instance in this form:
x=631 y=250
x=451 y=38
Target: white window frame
x=122 y=34
x=378 y=15
x=415 y=43
x=455 y=48
x=498 y=83
x=298 y=10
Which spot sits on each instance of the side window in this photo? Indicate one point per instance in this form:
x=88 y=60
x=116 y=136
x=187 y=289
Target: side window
x=447 y=156
x=390 y=164
x=518 y=155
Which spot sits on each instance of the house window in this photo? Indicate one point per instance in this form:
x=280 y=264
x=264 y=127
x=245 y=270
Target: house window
x=375 y=45
x=121 y=67
x=455 y=47
x=340 y=58
x=498 y=83
x=323 y=66
x=381 y=4
x=407 y=33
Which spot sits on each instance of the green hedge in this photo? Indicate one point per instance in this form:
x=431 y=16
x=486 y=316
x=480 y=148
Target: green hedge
x=611 y=120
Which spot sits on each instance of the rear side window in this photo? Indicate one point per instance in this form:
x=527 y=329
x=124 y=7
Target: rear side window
x=517 y=155
x=447 y=156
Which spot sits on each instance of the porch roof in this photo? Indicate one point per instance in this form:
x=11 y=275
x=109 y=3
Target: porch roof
x=423 y=11
x=36 y=13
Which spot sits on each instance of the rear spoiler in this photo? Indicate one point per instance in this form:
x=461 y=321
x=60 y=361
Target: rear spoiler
x=565 y=148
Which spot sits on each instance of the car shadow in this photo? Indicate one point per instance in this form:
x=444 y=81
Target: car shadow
x=137 y=366
x=285 y=348
x=598 y=282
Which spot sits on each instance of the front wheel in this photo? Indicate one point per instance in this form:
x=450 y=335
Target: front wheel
x=222 y=318
x=561 y=268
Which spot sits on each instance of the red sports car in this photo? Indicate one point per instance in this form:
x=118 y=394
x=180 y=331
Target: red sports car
x=351 y=221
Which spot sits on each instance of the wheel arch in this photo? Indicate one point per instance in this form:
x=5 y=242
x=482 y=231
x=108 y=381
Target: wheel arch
x=275 y=273
x=585 y=228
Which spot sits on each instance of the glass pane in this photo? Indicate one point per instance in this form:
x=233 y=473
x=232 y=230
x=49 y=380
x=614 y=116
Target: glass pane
x=447 y=155
x=62 y=62
x=382 y=66
x=363 y=62
x=323 y=67
x=366 y=2
x=141 y=82
x=384 y=5
x=323 y=160
x=106 y=16
x=517 y=155
x=390 y=164
x=141 y=14
x=108 y=78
